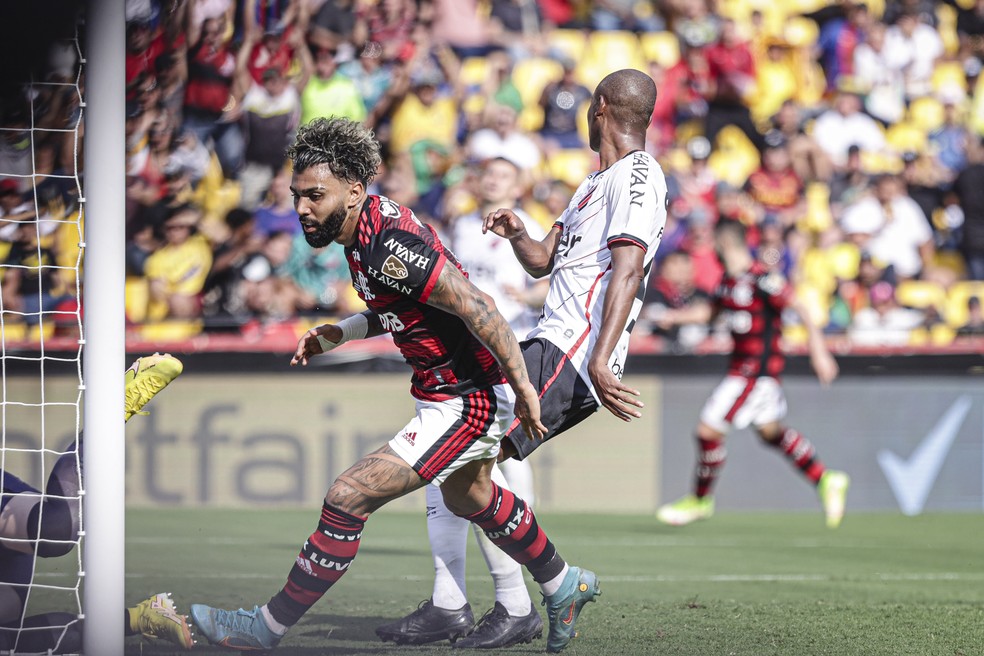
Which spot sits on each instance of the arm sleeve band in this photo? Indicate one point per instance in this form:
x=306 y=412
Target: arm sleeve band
x=354 y=327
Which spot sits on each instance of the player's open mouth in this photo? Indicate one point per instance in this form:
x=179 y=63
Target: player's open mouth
x=308 y=227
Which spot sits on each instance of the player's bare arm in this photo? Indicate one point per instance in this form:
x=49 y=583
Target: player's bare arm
x=821 y=360
x=454 y=294
x=535 y=256
x=377 y=478
x=627 y=275
x=309 y=345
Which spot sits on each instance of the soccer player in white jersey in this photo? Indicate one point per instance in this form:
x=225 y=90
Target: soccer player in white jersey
x=447 y=614
x=598 y=255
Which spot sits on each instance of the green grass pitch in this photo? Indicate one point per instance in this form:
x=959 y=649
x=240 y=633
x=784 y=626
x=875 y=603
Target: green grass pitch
x=742 y=583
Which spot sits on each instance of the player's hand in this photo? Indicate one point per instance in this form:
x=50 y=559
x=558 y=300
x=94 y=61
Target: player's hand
x=309 y=345
x=527 y=410
x=504 y=223
x=825 y=367
x=619 y=399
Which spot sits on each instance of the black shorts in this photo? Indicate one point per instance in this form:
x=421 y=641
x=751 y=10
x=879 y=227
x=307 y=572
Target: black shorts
x=565 y=400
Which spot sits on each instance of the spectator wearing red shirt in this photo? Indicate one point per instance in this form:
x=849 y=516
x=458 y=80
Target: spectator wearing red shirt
x=731 y=68
x=775 y=185
x=212 y=93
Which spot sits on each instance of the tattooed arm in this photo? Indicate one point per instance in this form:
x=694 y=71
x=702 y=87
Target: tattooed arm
x=456 y=295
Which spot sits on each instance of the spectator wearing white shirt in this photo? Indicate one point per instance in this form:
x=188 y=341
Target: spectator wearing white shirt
x=892 y=228
x=884 y=322
x=845 y=125
x=915 y=47
x=502 y=139
x=881 y=75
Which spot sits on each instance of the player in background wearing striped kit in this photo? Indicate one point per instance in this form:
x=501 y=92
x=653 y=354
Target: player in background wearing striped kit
x=751 y=299
x=598 y=255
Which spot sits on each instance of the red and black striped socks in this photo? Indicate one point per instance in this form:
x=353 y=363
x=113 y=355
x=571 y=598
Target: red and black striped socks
x=323 y=560
x=710 y=458
x=510 y=524
x=801 y=452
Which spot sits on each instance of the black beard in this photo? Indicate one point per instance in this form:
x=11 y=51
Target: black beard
x=327 y=230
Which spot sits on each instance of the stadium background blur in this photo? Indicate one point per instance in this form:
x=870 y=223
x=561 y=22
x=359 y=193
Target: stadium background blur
x=755 y=121
x=816 y=124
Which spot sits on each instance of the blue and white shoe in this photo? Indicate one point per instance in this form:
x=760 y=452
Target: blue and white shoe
x=579 y=587
x=236 y=629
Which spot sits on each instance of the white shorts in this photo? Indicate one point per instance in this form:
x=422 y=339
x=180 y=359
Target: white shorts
x=739 y=402
x=447 y=434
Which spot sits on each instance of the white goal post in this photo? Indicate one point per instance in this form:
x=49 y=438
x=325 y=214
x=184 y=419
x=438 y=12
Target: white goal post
x=103 y=328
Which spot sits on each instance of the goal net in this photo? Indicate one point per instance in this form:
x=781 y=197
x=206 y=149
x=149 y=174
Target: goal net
x=42 y=333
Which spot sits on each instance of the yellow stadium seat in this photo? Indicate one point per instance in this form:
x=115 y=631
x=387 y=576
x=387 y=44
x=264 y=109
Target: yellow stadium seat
x=919 y=337
x=41 y=332
x=688 y=130
x=794 y=334
x=570 y=165
x=949 y=74
x=661 y=47
x=531 y=76
x=735 y=157
x=951 y=261
x=920 y=294
x=569 y=42
x=170 y=331
x=474 y=71
x=941 y=335
x=844 y=260
x=815 y=270
x=926 y=113
x=531 y=118
x=906 y=137
x=136 y=293
x=947 y=27
x=818 y=217
x=956 y=301
x=609 y=51
x=816 y=302
x=14 y=332
x=800 y=32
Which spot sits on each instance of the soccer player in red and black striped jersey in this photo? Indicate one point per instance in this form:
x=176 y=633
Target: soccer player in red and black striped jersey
x=469 y=381
x=751 y=299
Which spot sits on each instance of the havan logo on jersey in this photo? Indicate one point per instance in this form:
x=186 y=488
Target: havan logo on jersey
x=640 y=174
x=405 y=254
x=394 y=268
x=389 y=281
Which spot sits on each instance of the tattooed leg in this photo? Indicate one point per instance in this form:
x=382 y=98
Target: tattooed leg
x=371 y=483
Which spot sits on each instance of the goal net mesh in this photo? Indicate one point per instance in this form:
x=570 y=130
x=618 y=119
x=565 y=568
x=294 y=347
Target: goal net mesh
x=41 y=254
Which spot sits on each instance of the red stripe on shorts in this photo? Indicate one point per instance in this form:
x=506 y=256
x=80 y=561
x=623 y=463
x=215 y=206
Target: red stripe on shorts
x=740 y=401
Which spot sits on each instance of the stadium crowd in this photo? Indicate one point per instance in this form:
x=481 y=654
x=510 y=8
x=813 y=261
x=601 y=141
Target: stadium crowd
x=846 y=136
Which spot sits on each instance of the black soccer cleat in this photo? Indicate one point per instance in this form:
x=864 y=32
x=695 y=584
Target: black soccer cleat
x=429 y=624
x=498 y=628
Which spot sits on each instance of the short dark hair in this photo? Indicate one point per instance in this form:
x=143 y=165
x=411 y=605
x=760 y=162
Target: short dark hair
x=631 y=95
x=348 y=148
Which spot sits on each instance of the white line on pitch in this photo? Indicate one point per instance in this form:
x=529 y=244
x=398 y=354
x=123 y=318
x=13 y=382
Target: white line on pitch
x=654 y=541
x=644 y=578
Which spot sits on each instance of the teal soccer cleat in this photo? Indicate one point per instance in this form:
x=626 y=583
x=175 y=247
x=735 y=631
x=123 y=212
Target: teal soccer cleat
x=579 y=587
x=236 y=629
